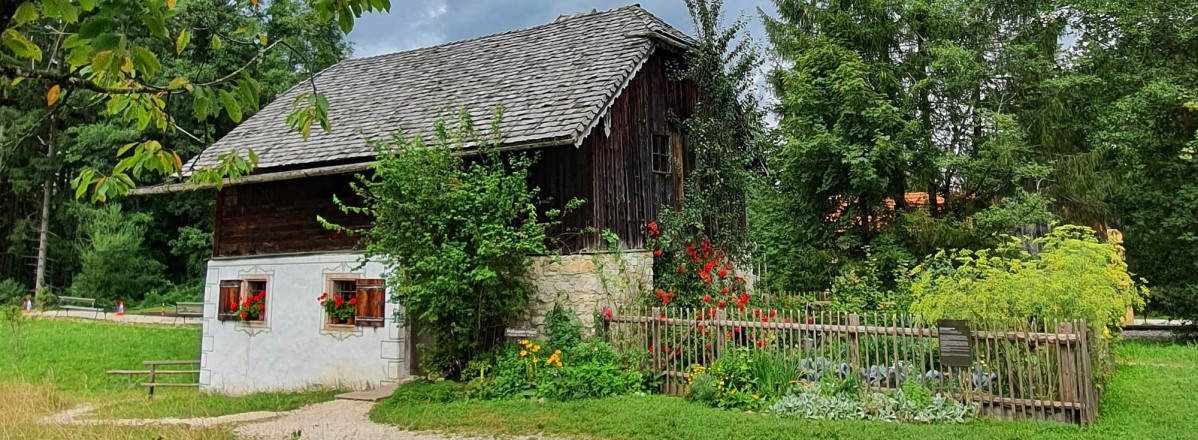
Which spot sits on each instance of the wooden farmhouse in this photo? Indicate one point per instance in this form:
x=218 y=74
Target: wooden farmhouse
x=592 y=93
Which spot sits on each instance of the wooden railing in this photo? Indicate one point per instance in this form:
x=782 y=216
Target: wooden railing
x=153 y=373
x=1020 y=369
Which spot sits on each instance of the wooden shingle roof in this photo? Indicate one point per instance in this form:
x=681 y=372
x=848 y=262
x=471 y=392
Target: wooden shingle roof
x=554 y=81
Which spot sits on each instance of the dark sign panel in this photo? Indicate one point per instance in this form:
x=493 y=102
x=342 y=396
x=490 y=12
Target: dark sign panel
x=956 y=346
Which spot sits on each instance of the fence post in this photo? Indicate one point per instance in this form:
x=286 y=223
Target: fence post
x=655 y=339
x=721 y=334
x=854 y=342
x=1067 y=366
x=153 y=367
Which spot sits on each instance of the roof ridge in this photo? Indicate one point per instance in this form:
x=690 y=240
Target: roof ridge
x=558 y=21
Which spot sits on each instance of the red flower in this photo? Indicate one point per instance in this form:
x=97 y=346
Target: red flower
x=671 y=295
x=757 y=312
x=773 y=313
x=810 y=320
x=323 y=296
x=765 y=319
x=665 y=301
x=232 y=306
x=725 y=290
x=353 y=301
x=244 y=315
x=723 y=273
x=261 y=307
x=338 y=301
x=729 y=335
x=653 y=229
x=707 y=298
x=657 y=252
x=722 y=304
x=607 y=314
x=663 y=317
x=681 y=269
x=740 y=280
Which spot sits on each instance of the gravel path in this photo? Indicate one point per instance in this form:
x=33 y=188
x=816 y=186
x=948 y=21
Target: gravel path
x=334 y=420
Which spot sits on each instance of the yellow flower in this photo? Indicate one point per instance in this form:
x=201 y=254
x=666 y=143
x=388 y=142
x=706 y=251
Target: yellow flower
x=523 y=342
x=535 y=360
x=536 y=348
x=523 y=353
x=558 y=352
x=755 y=397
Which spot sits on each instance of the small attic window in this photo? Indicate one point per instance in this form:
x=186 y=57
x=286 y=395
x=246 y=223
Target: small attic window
x=661 y=154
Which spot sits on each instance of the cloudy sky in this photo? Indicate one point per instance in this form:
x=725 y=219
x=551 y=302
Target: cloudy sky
x=413 y=24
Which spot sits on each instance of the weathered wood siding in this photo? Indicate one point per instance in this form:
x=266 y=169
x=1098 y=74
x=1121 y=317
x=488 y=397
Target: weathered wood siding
x=280 y=217
x=612 y=170
x=628 y=194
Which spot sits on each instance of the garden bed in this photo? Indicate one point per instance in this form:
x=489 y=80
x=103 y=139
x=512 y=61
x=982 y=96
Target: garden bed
x=1148 y=397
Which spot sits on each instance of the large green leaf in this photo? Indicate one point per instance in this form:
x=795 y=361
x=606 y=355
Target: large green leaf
x=231 y=105
x=20 y=46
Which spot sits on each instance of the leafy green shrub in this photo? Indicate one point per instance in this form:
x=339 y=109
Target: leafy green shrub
x=733 y=377
x=191 y=292
x=817 y=401
x=12 y=293
x=590 y=369
x=1074 y=276
x=457 y=234
x=562 y=327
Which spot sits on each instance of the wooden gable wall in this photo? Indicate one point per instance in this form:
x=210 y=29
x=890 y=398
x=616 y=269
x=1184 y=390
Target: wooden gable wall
x=628 y=193
x=612 y=170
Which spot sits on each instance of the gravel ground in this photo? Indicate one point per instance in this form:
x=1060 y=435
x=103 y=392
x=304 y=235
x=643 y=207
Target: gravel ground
x=335 y=420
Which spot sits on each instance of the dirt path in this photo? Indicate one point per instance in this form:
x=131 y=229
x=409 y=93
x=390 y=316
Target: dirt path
x=136 y=319
x=334 y=420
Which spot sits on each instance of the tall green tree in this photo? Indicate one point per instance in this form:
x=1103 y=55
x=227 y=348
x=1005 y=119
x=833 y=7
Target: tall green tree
x=83 y=134
x=1137 y=63
x=879 y=99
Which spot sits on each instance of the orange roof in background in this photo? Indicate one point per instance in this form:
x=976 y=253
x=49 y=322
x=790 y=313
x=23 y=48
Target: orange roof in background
x=911 y=199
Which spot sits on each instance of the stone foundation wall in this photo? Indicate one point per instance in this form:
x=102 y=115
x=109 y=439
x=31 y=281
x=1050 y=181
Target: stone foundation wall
x=585 y=282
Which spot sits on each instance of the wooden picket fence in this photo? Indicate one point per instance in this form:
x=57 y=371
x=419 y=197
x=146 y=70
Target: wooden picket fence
x=1020 y=370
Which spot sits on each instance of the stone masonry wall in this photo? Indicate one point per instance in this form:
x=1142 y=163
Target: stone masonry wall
x=585 y=282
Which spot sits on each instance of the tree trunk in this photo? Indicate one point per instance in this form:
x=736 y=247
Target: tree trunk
x=43 y=231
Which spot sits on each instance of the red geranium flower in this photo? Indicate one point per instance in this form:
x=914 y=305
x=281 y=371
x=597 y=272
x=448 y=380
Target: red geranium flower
x=722 y=304
x=607 y=314
x=725 y=290
x=773 y=313
x=707 y=298
x=244 y=315
x=657 y=252
x=681 y=269
x=723 y=273
x=232 y=306
x=653 y=228
x=323 y=296
x=353 y=301
x=338 y=301
x=261 y=307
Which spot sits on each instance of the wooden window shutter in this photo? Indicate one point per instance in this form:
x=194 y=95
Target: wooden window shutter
x=230 y=295
x=372 y=301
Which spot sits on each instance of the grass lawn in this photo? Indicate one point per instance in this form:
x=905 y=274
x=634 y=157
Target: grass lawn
x=63 y=365
x=1151 y=396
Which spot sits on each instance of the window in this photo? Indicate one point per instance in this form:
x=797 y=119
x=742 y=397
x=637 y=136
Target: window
x=355 y=302
x=243 y=300
x=662 y=162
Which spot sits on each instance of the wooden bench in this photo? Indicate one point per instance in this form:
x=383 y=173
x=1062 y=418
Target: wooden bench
x=188 y=310
x=77 y=303
x=153 y=372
